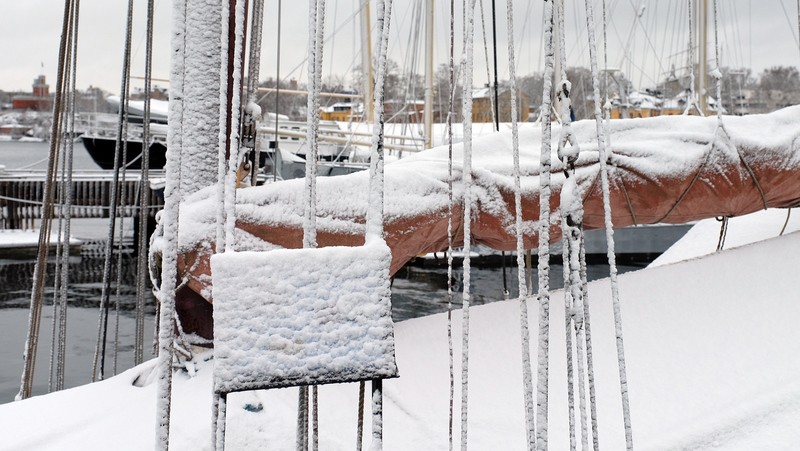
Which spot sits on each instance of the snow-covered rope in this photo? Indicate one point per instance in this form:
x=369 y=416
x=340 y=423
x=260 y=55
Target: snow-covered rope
x=218 y=403
x=233 y=135
x=522 y=287
x=309 y=222
x=375 y=214
x=568 y=308
x=170 y=217
x=374 y=229
x=601 y=146
x=607 y=128
x=587 y=338
x=451 y=101
x=568 y=155
x=544 y=235
x=467 y=180
x=316 y=33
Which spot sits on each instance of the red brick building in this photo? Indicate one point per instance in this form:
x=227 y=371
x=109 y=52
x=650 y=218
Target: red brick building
x=39 y=100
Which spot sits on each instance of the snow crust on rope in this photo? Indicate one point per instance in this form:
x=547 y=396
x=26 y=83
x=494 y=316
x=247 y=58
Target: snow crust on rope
x=302 y=317
x=522 y=286
x=467 y=181
x=545 y=157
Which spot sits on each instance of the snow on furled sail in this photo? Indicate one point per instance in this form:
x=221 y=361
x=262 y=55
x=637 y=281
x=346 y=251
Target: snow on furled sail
x=651 y=168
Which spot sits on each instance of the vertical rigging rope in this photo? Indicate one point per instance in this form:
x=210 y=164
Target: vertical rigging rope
x=602 y=155
x=316 y=30
x=59 y=239
x=451 y=101
x=122 y=205
x=40 y=269
x=172 y=198
x=277 y=94
x=587 y=333
x=568 y=155
x=375 y=215
x=522 y=287
x=544 y=235
x=467 y=178
x=67 y=209
x=59 y=324
x=144 y=195
x=102 y=329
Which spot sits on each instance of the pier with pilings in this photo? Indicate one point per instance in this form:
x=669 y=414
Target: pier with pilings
x=22 y=192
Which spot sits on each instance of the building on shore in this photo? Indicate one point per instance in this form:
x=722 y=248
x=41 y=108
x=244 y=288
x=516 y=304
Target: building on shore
x=38 y=100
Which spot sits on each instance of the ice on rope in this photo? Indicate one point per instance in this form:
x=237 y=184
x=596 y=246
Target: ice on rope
x=302 y=317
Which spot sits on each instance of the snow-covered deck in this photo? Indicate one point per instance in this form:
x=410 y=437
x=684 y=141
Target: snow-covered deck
x=711 y=347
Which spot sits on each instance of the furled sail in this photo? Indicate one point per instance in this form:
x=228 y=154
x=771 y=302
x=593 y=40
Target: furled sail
x=673 y=169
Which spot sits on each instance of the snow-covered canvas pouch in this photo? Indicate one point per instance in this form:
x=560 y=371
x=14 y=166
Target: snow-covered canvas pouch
x=294 y=317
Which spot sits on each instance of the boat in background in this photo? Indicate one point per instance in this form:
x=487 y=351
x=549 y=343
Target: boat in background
x=100 y=134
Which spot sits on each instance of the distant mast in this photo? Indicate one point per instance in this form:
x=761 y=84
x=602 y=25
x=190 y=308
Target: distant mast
x=366 y=62
x=428 y=112
x=702 y=33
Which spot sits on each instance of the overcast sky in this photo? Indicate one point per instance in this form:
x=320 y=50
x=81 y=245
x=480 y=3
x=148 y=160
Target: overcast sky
x=755 y=34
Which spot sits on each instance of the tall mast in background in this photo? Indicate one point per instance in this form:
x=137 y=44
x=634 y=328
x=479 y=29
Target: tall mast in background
x=702 y=33
x=428 y=112
x=366 y=62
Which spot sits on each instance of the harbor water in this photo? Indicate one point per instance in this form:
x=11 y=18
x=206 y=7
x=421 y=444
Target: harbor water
x=418 y=289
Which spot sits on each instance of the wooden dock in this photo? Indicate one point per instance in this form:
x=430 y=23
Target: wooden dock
x=21 y=194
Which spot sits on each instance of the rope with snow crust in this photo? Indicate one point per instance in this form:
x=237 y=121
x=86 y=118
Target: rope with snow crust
x=451 y=101
x=522 y=287
x=170 y=216
x=375 y=215
x=316 y=30
x=544 y=236
x=602 y=146
x=467 y=180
